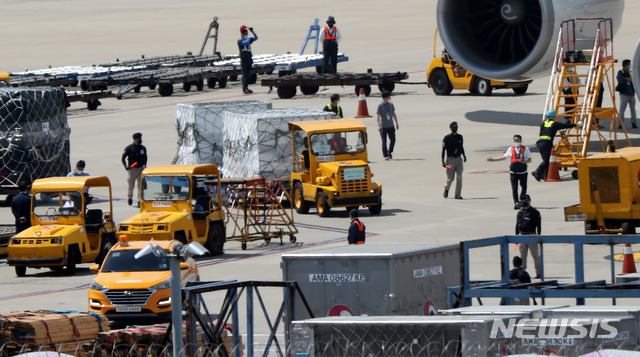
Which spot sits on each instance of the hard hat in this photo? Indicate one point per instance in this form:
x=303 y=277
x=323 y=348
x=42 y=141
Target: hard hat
x=331 y=20
x=243 y=28
x=551 y=114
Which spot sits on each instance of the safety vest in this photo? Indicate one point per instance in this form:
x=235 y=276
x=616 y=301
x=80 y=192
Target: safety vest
x=515 y=157
x=337 y=144
x=330 y=34
x=360 y=229
x=547 y=127
x=338 y=110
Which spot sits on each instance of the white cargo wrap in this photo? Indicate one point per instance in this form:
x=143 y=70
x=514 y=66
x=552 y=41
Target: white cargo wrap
x=259 y=143
x=200 y=130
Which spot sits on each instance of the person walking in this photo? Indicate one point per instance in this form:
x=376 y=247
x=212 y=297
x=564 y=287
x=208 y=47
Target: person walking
x=331 y=37
x=519 y=156
x=529 y=222
x=79 y=170
x=356 y=229
x=246 y=57
x=627 y=93
x=452 y=146
x=134 y=160
x=548 y=129
x=21 y=208
x=386 y=115
x=519 y=276
x=333 y=106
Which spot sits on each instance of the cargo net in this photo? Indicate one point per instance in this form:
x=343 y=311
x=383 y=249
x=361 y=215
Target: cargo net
x=258 y=144
x=200 y=130
x=345 y=340
x=34 y=134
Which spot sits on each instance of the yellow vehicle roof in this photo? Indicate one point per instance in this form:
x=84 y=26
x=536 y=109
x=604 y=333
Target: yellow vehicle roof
x=74 y=183
x=204 y=169
x=329 y=125
x=139 y=244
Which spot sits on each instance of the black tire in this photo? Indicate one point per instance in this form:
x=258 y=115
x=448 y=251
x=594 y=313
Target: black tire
x=322 y=205
x=215 y=238
x=211 y=82
x=152 y=86
x=181 y=237
x=165 y=89
x=199 y=85
x=574 y=174
x=376 y=209
x=292 y=238
x=483 y=86
x=440 y=82
x=72 y=260
x=244 y=245
x=286 y=92
x=186 y=86
x=93 y=104
x=222 y=82
x=521 y=90
x=106 y=243
x=253 y=78
x=20 y=271
x=299 y=203
x=387 y=86
x=628 y=228
x=136 y=89
x=366 y=87
x=84 y=85
x=309 y=90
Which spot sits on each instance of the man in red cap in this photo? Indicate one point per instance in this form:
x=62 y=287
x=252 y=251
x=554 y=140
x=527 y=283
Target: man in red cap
x=246 y=58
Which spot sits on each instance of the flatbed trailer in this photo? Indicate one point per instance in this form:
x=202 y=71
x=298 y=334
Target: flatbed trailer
x=166 y=78
x=92 y=98
x=309 y=83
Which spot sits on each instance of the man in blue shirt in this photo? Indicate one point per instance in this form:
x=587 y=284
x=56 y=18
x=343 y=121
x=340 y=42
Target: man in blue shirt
x=79 y=170
x=246 y=57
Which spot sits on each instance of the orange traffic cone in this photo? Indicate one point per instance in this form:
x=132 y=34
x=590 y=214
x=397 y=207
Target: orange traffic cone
x=553 y=172
x=628 y=264
x=363 y=112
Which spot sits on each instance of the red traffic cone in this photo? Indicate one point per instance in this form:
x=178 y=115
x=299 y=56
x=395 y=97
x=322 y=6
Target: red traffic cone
x=363 y=112
x=553 y=172
x=628 y=264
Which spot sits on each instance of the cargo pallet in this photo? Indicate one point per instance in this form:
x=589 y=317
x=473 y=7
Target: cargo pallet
x=254 y=211
x=310 y=83
x=461 y=296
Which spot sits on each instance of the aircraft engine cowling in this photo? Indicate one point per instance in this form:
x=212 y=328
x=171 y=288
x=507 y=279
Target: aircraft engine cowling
x=514 y=39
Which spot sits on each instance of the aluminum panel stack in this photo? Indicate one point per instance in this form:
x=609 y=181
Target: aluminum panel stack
x=34 y=134
x=259 y=143
x=200 y=130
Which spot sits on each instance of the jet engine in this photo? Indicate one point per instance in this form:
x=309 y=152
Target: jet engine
x=515 y=39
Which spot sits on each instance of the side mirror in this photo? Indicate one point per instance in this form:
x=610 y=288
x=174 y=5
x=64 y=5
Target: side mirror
x=94 y=267
x=183 y=266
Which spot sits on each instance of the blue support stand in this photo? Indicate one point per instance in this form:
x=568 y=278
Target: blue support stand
x=315 y=27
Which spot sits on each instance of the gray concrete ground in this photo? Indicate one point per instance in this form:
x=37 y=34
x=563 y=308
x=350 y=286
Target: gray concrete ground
x=379 y=35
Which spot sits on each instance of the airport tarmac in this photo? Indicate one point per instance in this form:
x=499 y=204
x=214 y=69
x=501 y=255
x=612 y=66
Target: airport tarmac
x=386 y=37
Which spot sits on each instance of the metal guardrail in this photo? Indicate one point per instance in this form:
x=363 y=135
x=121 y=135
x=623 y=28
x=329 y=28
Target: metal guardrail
x=462 y=295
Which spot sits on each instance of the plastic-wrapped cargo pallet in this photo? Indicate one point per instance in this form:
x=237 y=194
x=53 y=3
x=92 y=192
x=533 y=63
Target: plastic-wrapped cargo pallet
x=199 y=126
x=34 y=134
x=259 y=143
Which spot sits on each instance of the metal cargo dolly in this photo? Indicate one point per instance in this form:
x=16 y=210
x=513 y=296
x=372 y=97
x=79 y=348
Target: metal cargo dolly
x=254 y=211
x=310 y=83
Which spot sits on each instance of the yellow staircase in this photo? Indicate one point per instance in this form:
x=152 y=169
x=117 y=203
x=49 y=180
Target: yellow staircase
x=580 y=83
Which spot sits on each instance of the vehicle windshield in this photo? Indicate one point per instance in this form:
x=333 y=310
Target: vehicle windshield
x=57 y=203
x=165 y=188
x=124 y=261
x=342 y=142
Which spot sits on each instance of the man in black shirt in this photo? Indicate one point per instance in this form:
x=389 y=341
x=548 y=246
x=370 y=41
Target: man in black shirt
x=134 y=160
x=21 y=208
x=356 y=229
x=548 y=129
x=529 y=222
x=452 y=146
x=519 y=276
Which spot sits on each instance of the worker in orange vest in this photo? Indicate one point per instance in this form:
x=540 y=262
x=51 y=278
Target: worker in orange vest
x=356 y=228
x=331 y=36
x=519 y=156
